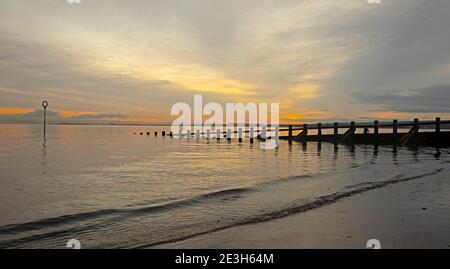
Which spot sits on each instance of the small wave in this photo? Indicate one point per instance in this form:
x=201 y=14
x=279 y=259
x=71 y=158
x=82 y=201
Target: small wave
x=282 y=180
x=317 y=203
x=67 y=219
x=223 y=195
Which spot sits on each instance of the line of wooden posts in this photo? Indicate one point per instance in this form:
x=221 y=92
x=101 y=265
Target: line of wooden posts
x=412 y=137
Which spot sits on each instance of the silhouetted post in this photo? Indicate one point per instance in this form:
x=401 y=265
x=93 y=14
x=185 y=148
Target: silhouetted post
x=438 y=125
x=290 y=134
x=252 y=134
x=412 y=138
x=45 y=105
x=336 y=131
x=376 y=130
x=156 y=133
x=163 y=133
x=395 y=127
x=438 y=131
x=148 y=133
x=305 y=131
x=240 y=135
x=416 y=126
x=319 y=131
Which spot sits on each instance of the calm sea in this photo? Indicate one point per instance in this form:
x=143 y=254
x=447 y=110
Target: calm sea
x=109 y=188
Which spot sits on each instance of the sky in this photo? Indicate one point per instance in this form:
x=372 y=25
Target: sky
x=119 y=61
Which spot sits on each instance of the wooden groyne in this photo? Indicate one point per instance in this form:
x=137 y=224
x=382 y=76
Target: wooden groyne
x=413 y=133
x=396 y=133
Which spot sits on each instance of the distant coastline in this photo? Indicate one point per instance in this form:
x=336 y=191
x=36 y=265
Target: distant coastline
x=167 y=124
x=88 y=124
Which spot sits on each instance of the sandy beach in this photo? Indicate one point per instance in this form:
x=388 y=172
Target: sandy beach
x=412 y=214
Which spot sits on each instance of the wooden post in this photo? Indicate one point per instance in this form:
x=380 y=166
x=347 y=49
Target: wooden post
x=163 y=133
x=438 y=125
x=416 y=131
x=347 y=137
x=353 y=126
x=305 y=127
x=376 y=131
x=416 y=126
x=412 y=137
x=438 y=132
x=156 y=133
x=319 y=131
x=336 y=131
x=395 y=127
x=148 y=133
x=290 y=134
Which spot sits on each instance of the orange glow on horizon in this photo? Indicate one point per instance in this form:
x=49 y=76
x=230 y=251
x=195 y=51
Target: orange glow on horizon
x=14 y=110
x=70 y=114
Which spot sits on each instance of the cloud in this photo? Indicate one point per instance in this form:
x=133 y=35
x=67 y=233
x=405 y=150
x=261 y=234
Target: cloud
x=99 y=116
x=57 y=117
x=139 y=57
x=424 y=100
x=406 y=43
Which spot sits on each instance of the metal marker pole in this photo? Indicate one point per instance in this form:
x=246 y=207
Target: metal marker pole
x=45 y=105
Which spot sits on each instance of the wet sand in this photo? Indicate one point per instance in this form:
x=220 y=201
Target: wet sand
x=413 y=214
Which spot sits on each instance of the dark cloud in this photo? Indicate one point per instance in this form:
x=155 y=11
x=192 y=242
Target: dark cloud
x=429 y=99
x=409 y=49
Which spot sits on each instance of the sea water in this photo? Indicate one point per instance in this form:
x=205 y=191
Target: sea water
x=111 y=187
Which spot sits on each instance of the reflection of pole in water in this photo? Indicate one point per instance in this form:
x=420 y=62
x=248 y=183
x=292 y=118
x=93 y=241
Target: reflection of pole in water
x=45 y=105
x=44 y=158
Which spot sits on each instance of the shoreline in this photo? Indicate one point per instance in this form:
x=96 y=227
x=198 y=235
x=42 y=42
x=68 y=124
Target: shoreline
x=411 y=214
